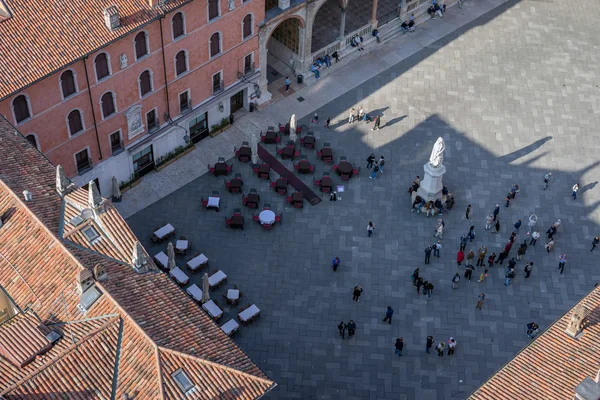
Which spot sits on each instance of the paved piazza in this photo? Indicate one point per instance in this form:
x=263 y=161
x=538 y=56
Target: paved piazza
x=514 y=94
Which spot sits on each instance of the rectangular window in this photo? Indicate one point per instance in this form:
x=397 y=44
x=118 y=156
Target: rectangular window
x=248 y=64
x=151 y=120
x=213 y=9
x=83 y=161
x=143 y=159
x=184 y=101
x=116 y=144
x=182 y=381
x=199 y=128
x=217 y=83
x=91 y=234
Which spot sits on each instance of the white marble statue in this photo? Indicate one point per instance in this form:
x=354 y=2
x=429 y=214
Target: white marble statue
x=123 y=60
x=437 y=153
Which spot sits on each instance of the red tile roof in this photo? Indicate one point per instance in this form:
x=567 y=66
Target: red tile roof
x=22 y=338
x=129 y=340
x=553 y=365
x=44 y=36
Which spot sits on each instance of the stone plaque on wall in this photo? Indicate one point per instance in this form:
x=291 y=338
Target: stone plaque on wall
x=134 y=121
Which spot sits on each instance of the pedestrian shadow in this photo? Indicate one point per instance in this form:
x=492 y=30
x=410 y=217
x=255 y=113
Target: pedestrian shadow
x=589 y=186
x=393 y=121
x=378 y=111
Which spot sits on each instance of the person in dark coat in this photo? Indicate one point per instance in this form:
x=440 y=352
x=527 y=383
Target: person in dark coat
x=388 y=314
x=496 y=212
x=427 y=254
x=595 y=242
x=357 y=292
x=415 y=276
x=528 y=268
x=491 y=259
x=399 y=346
x=342 y=328
x=377 y=122
x=429 y=343
x=351 y=328
x=418 y=284
x=501 y=257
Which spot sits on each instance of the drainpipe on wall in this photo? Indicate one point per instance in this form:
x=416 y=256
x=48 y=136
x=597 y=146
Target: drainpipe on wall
x=162 y=46
x=87 y=80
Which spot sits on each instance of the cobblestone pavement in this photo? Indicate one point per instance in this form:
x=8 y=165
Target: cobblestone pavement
x=514 y=94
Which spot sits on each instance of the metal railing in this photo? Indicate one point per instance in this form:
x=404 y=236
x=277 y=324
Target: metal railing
x=116 y=148
x=218 y=87
x=365 y=31
x=326 y=50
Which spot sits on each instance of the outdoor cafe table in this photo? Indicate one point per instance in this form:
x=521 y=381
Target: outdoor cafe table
x=281 y=184
x=244 y=152
x=195 y=292
x=179 y=275
x=235 y=183
x=271 y=137
x=252 y=198
x=266 y=217
x=182 y=245
x=345 y=168
x=326 y=182
x=216 y=278
x=164 y=231
x=297 y=197
x=197 y=262
x=249 y=313
x=309 y=140
x=263 y=169
x=288 y=152
x=212 y=309
x=230 y=327
x=237 y=221
x=220 y=169
x=233 y=295
x=213 y=202
x=326 y=152
x=304 y=166
x=162 y=259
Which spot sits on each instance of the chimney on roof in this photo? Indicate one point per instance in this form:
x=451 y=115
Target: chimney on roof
x=112 y=19
x=94 y=199
x=27 y=195
x=61 y=181
x=139 y=261
x=100 y=273
x=588 y=389
x=85 y=280
x=577 y=321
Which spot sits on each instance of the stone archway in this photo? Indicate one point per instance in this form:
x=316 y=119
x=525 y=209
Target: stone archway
x=326 y=25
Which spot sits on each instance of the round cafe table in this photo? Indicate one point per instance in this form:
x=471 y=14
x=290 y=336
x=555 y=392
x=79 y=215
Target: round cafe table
x=266 y=217
x=345 y=167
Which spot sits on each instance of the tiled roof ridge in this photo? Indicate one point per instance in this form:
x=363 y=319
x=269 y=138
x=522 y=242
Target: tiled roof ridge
x=536 y=340
x=217 y=365
x=83 y=248
x=60 y=355
x=159 y=372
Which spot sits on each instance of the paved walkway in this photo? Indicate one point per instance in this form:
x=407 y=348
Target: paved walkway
x=158 y=185
x=514 y=95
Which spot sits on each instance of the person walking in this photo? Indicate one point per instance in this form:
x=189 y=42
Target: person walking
x=517 y=225
x=497 y=226
x=508 y=246
x=351 y=328
x=480 y=299
x=388 y=315
x=482 y=275
x=436 y=249
x=451 y=346
x=575 y=189
x=489 y=221
x=561 y=263
x=429 y=288
x=381 y=164
x=460 y=256
x=440 y=349
x=508 y=198
x=399 y=346
x=550 y=245
x=481 y=256
x=468 y=211
x=374 y=171
x=415 y=276
x=463 y=242
x=471 y=233
x=470 y=257
x=428 y=344
x=595 y=242
x=327 y=122
x=377 y=122
x=439 y=232
x=357 y=292
x=491 y=259
x=547 y=179
x=455 y=281
x=335 y=263
x=468 y=272
x=521 y=251
x=514 y=190
x=370 y=160
x=427 y=254
x=535 y=235
x=418 y=284
x=370 y=228
x=342 y=328
x=351 y=116
x=509 y=275
x=501 y=257
x=528 y=268
x=287 y=83
x=496 y=212
x=361 y=114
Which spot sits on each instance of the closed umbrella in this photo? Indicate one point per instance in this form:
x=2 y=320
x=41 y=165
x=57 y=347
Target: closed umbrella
x=116 y=192
x=205 y=289
x=171 y=254
x=254 y=147
x=293 y=136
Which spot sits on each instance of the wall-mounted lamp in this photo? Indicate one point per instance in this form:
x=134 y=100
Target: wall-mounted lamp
x=221 y=106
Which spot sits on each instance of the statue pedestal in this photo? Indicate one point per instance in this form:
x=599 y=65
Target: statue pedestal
x=431 y=184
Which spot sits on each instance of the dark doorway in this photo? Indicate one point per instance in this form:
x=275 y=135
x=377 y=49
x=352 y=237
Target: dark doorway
x=237 y=101
x=96 y=181
x=143 y=162
x=199 y=128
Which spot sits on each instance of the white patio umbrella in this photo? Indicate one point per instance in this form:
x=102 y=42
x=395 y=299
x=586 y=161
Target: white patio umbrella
x=205 y=289
x=293 y=136
x=171 y=254
x=116 y=192
x=254 y=147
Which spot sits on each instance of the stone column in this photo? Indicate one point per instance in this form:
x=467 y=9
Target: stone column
x=265 y=97
x=342 y=35
x=374 y=14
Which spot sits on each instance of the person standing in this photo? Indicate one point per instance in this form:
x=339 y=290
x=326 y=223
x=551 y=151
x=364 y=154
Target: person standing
x=455 y=281
x=547 y=179
x=463 y=242
x=351 y=328
x=561 y=263
x=327 y=122
x=439 y=232
x=388 y=315
x=480 y=299
x=528 y=268
x=468 y=211
x=497 y=226
x=489 y=221
x=491 y=259
x=418 y=284
x=436 y=249
x=374 y=171
x=575 y=189
x=428 y=344
x=508 y=198
x=381 y=164
x=427 y=254
x=481 y=256
x=496 y=212
x=471 y=233
x=460 y=256
x=287 y=84
x=361 y=114
x=342 y=328
x=509 y=275
x=451 y=346
x=440 y=349
x=535 y=235
x=335 y=263
x=483 y=275
x=470 y=257
x=517 y=225
x=501 y=257
x=429 y=288
x=357 y=292
x=550 y=245
x=377 y=122
x=468 y=272
x=595 y=242
x=370 y=228
x=521 y=251
x=415 y=276
x=351 y=116
x=399 y=346
x=370 y=160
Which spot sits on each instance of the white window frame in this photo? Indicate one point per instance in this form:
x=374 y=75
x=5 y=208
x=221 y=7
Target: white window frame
x=187 y=63
x=109 y=67
x=189 y=95
x=148 y=51
x=120 y=132
x=251 y=54
x=62 y=95
x=36 y=138
x=220 y=73
x=211 y=57
x=114 y=102
x=251 y=26
x=174 y=39
x=12 y=108
x=94 y=230
x=183 y=389
x=155 y=109
x=71 y=134
x=219 y=13
x=151 y=83
x=89 y=154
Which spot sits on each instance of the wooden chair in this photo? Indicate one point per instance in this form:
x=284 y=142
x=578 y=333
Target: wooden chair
x=355 y=171
x=267 y=206
x=255 y=218
x=204 y=202
x=334 y=167
x=317 y=183
x=278 y=218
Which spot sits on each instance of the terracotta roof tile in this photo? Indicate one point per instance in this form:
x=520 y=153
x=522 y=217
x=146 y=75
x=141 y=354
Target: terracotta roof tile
x=42 y=37
x=22 y=338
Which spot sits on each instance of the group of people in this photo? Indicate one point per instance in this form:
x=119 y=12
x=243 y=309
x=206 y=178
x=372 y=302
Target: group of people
x=408 y=25
x=419 y=283
x=436 y=9
x=375 y=166
x=431 y=207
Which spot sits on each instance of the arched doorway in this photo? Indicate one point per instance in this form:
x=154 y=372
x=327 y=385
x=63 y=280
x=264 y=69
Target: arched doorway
x=326 y=27
x=283 y=49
